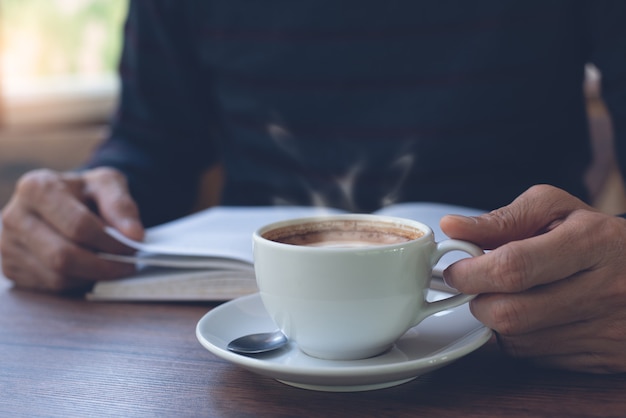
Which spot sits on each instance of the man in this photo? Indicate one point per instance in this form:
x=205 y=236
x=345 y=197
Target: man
x=357 y=105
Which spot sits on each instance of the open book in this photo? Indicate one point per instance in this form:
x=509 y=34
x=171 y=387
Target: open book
x=208 y=255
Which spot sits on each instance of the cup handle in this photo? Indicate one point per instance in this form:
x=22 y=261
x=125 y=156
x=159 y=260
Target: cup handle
x=442 y=248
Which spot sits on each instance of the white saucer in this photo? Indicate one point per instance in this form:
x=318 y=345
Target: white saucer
x=436 y=342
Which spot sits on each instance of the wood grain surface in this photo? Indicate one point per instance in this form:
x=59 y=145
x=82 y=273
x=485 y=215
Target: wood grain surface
x=66 y=357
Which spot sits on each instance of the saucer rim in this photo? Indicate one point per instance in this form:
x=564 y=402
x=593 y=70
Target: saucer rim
x=477 y=336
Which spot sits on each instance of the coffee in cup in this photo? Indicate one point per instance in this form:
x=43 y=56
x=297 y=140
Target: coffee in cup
x=346 y=287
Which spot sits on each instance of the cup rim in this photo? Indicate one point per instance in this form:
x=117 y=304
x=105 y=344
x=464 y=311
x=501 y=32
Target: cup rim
x=427 y=231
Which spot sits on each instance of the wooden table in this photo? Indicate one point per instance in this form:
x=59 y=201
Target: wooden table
x=67 y=357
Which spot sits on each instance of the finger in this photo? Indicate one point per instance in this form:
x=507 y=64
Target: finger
x=576 y=244
x=577 y=298
x=27 y=272
x=109 y=190
x=57 y=201
x=530 y=214
x=65 y=258
x=570 y=339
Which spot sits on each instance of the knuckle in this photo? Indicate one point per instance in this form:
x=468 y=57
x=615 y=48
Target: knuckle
x=588 y=220
x=61 y=260
x=605 y=237
x=9 y=217
x=107 y=175
x=511 y=267
x=548 y=200
x=36 y=182
x=506 y=317
x=511 y=347
x=125 y=204
x=536 y=193
x=502 y=218
x=79 y=228
x=109 y=181
x=537 y=190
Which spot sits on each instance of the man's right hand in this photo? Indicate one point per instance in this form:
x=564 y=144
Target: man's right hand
x=53 y=228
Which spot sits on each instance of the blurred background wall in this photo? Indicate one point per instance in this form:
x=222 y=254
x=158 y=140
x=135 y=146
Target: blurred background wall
x=58 y=87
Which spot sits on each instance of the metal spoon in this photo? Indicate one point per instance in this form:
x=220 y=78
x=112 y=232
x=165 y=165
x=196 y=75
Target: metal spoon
x=258 y=343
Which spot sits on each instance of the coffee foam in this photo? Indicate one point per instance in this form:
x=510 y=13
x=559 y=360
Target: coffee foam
x=343 y=233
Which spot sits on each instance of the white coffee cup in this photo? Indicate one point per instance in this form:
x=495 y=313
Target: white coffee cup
x=346 y=287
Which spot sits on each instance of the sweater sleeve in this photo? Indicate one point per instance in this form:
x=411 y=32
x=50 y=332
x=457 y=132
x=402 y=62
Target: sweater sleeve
x=161 y=134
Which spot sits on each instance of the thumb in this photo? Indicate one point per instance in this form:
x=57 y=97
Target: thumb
x=108 y=189
x=534 y=212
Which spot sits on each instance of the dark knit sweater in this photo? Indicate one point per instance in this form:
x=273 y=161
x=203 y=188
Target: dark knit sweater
x=358 y=104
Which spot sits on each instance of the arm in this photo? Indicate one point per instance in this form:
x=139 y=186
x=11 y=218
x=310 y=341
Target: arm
x=161 y=135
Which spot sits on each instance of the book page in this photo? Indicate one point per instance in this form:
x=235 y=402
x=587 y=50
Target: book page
x=208 y=255
x=223 y=231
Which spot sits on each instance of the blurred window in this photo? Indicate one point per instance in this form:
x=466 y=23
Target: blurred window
x=58 y=59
